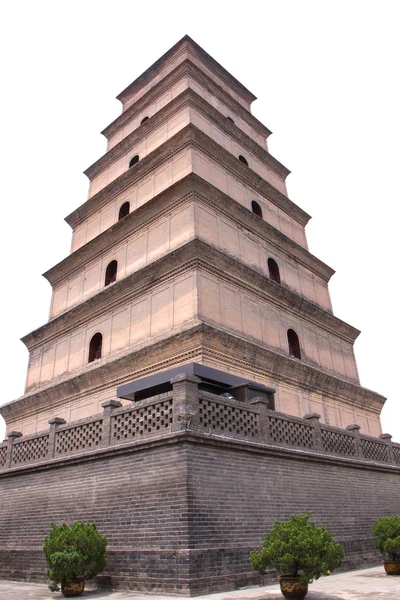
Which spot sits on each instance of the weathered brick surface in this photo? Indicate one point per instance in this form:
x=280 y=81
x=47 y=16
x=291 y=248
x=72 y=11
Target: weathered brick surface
x=138 y=500
x=234 y=497
x=183 y=513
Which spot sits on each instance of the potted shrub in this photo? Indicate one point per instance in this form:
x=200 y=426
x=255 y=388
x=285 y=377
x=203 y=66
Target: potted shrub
x=301 y=551
x=73 y=555
x=387 y=532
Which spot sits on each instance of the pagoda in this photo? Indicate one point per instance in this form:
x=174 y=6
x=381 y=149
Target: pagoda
x=188 y=249
x=192 y=383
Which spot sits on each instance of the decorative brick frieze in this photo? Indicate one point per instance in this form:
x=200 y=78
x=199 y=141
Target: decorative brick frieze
x=186 y=408
x=228 y=418
x=80 y=437
x=335 y=441
x=12 y=436
x=151 y=417
x=3 y=455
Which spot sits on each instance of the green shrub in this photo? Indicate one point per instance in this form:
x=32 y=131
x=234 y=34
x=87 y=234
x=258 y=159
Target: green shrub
x=74 y=552
x=387 y=530
x=298 y=548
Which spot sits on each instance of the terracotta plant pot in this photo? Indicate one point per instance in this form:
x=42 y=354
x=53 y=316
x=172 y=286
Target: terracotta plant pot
x=74 y=588
x=392 y=567
x=293 y=588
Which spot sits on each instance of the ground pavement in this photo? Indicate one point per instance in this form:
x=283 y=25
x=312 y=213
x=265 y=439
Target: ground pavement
x=369 y=584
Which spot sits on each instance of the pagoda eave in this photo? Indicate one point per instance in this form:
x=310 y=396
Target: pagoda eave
x=191 y=99
x=184 y=69
x=193 y=255
x=191 y=188
x=188 y=137
x=186 y=43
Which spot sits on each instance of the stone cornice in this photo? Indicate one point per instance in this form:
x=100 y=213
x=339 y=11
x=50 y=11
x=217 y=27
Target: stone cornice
x=191 y=188
x=195 y=254
x=138 y=219
x=186 y=44
x=199 y=341
x=227 y=347
x=188 y=137
x=248 y=176
x=251 y=281
x=185 y=68
x=187 y=98
x=242 y=216
x=120 y=368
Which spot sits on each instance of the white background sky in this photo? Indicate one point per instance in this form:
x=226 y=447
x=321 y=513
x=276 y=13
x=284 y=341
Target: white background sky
x=327 y=78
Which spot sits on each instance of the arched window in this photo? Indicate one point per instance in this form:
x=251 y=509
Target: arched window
x=230 y=119
x=256 y=208
x=111 y=273
x=95 y=347
x=123 y=211
x=273 y=270
x=294 y=344
x=243 y=160
x=143 y=120
x=134 y=160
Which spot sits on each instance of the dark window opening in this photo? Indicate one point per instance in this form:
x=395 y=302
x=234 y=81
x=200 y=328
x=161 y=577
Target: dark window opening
x=230 y=119
x=95 y=347
x=273 y=270
x=243 y=160
x=256 y=208
x=123 y=211
x=111 y=273
x=294 y=344
x=134 y=160
x=143 y=120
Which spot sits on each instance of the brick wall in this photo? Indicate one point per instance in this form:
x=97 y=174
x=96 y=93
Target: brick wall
x=138 y=500
x=236 y=494
x=182 y=513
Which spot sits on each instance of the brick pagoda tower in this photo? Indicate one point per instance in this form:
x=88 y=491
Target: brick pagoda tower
x=192 y=383
x=189 y=249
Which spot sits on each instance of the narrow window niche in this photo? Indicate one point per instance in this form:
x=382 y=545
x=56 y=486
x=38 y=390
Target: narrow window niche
x=293 y=343
x=243 y=160
x=134 y=160
x=274 y=271
x=230 y=119
x=124 y=210
x=95 y=347
x=111 y=273
x=256 y=208
x=144 y=120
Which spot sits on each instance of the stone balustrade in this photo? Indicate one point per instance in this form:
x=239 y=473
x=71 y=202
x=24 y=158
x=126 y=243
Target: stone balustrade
x=188 y=408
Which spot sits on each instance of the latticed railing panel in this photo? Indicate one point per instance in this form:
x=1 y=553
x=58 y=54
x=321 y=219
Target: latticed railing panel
x=30 y=450
x=135 y=423
x=374 y=450
x=216 y=416
x=291 y=433
x=81 y=437
x=396 y=454
x=3 y=456
x=338 y=443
